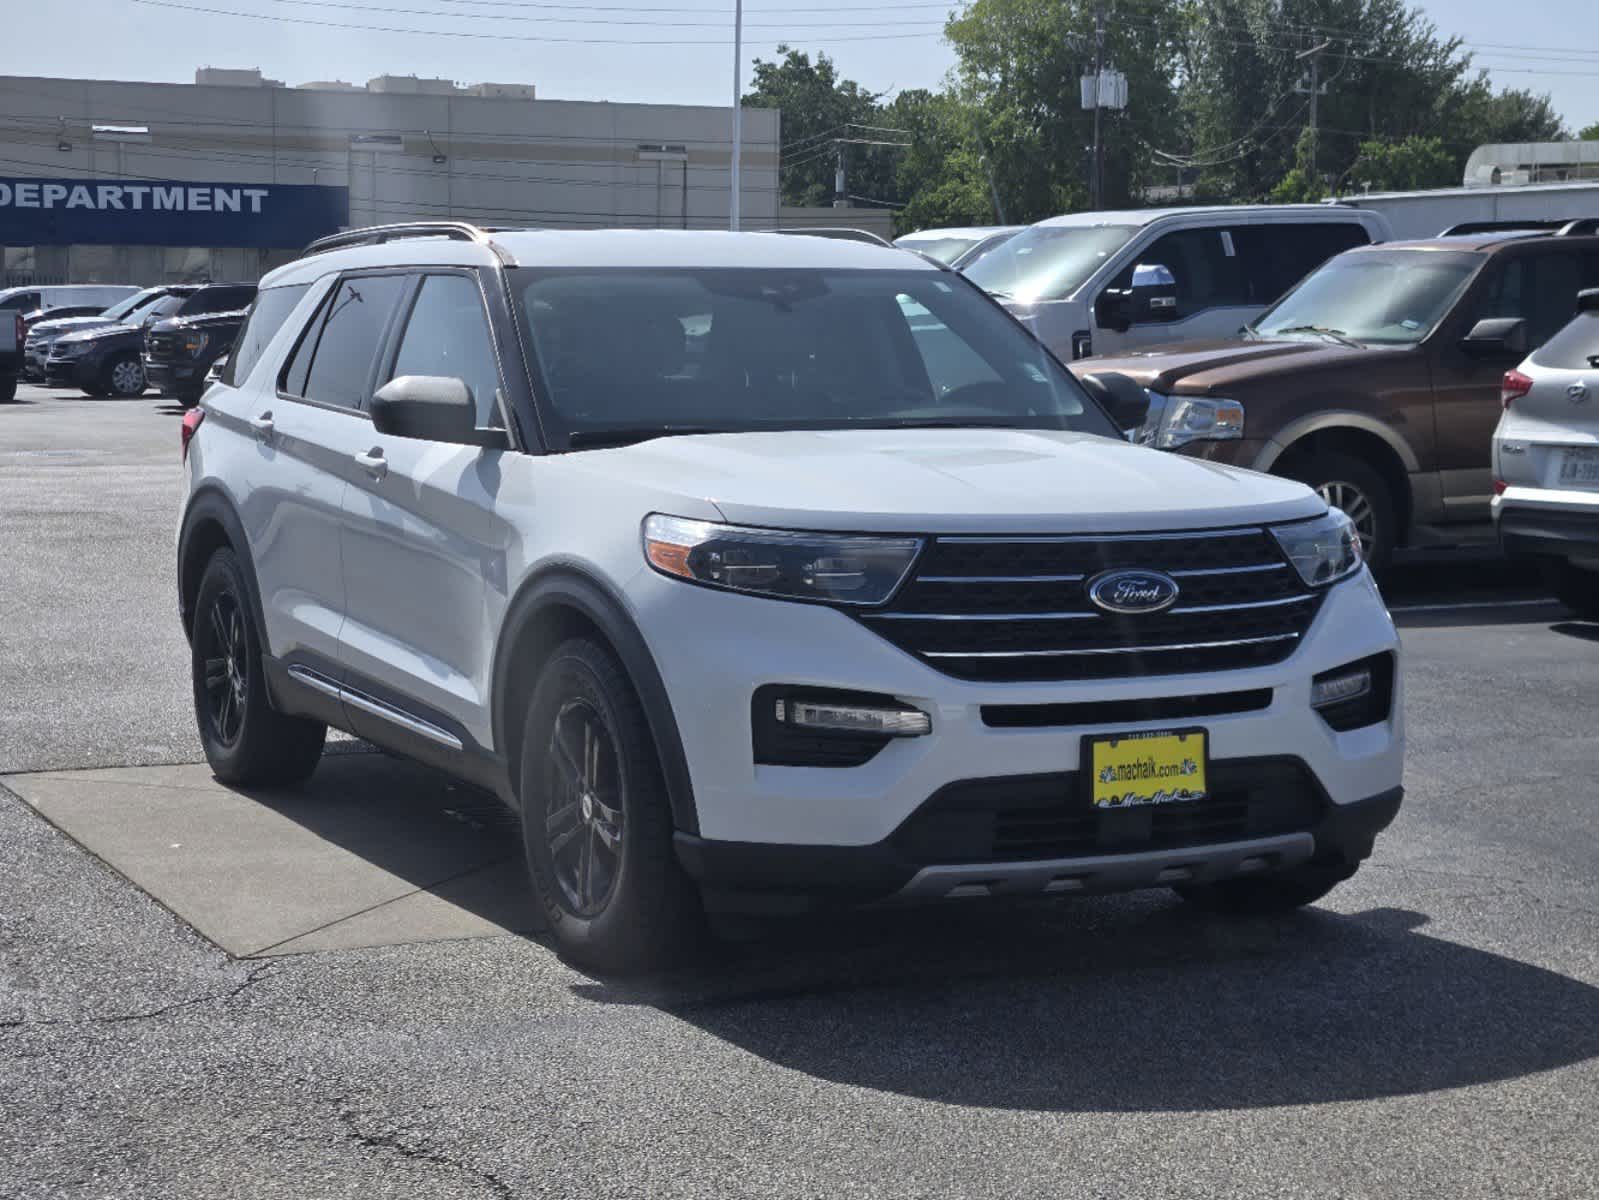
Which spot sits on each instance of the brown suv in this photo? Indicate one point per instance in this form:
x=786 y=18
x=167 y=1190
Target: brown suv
x=1375 y=380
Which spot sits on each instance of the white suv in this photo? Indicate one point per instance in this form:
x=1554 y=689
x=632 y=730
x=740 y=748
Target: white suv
x=761 y=573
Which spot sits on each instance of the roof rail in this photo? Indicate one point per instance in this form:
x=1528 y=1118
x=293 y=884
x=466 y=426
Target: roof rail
x=1580 y=226
x=1530 y=225
x=841 y=233
x=376 y=235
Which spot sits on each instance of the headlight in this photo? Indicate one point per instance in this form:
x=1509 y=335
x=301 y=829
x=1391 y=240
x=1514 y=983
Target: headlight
x=838 y=568
x=1175 y=421
x=194 y=342
x=1323 y=550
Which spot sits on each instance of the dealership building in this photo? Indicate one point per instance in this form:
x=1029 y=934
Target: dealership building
x=225 y=178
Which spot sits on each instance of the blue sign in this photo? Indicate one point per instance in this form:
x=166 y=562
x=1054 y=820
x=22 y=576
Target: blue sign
x=121 y=212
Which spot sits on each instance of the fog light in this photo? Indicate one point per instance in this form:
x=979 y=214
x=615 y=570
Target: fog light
x=1335 y=689
x=852 y=718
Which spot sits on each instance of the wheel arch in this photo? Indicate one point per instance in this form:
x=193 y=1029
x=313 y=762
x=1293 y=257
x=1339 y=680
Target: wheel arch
x=1360 y=436
x=211 y=523
x=563 y=601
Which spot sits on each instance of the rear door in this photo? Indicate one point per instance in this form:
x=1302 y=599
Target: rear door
x=423 y=543
x=309 y=427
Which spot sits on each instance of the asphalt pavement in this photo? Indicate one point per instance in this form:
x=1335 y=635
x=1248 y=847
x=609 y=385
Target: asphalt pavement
x=1430 y=1030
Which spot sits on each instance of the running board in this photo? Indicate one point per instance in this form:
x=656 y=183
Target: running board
x=374 y=707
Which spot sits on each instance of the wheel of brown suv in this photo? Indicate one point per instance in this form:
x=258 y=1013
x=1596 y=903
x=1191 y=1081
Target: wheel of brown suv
x=1346 y=483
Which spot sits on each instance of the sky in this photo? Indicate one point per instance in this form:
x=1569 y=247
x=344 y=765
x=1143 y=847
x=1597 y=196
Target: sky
x=661 y=51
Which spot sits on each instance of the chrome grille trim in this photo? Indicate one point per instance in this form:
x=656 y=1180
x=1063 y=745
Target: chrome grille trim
x=1258 y=641
x=966 y=539
x=1228 y=571
x=1002 y=578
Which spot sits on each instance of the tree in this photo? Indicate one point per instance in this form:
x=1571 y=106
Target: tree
x=942 y=175
x=1590 y=134
x=1406 y=165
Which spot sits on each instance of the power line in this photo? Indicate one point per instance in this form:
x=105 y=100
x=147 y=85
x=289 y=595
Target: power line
x=718 y=24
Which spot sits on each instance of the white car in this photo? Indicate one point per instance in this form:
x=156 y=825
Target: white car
x=762 y=573
x=1108 y=282
x=1546 y=459
x=960 y=246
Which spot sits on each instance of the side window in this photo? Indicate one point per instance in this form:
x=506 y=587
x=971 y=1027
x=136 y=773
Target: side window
x=21 y=302
x=949 y=359
x=447 y=333
x=1204 y=263
x=347 y=343
x=1276 y=257
x=1541 y=289
x=217 y=299
x=272 y=307
x=1574 y=348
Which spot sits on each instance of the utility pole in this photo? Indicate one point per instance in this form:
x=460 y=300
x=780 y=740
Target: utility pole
x=1315 y=87
x=738 y=116
x=840 y=183
x=1096 y=180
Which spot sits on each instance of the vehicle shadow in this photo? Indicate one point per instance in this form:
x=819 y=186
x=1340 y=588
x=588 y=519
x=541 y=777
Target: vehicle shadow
x=1586 y=631
x=1133 y=1004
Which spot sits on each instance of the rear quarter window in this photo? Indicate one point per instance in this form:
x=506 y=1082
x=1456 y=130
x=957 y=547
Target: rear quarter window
x=1575 y=347
x=267 y=315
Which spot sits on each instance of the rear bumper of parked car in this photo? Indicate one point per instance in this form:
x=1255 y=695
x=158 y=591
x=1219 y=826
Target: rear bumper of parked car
x=950 y=812
x=1542 y=521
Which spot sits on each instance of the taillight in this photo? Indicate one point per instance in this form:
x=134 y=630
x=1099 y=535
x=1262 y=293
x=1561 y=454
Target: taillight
x=1514 y=386
x=1499 y=487
x=191 y=422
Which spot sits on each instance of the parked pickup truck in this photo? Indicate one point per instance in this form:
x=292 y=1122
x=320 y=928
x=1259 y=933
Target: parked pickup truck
x=180 y=351
x=1376 y=380
x=18 y=306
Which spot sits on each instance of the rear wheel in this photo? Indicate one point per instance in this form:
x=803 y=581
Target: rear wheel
x=122 y=376
x=246 y=740
x=1263 y=895
x=1364 y=496
x=1575 y=587
x=597 y=828
x=8 y=388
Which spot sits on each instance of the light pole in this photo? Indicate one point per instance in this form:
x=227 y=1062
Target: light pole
x=738 y=113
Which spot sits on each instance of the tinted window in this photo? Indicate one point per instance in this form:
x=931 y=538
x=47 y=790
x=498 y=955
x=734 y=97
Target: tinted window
x=1393 y=297
x=448 y=334
x=22 y=301
x=166 y=306
x=1540 y=289
x=1574 y=348
x=747 y=349
x=1275 y=257
x=347 y=343
x=218 y=299
x=272 y=307
x=1205 y=264
x=1048 y=262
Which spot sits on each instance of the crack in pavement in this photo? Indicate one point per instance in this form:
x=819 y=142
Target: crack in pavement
x=252 y=976
x=389 y=1141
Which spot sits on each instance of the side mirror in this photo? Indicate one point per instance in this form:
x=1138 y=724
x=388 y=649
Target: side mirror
x=1496 y=337
x=1151 y=298
x=433 y=408
x=1121 y=397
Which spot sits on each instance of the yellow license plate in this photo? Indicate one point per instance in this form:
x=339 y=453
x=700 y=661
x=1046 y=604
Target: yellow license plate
x=1135 y=769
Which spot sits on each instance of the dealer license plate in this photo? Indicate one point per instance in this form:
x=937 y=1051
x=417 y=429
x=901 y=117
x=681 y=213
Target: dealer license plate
x=1579 y=468
x=1134 y=769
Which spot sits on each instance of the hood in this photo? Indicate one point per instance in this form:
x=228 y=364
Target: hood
x=95 y=333
x=199 y=321
x=1216 y=368
x=57 y=326
x=950 y=481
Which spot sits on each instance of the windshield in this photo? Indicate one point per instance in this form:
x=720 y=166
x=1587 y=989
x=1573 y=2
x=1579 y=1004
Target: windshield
x=627 y=354
x=127 y=305
x=1047 y=262
x=1394 y=297
x=943 y=249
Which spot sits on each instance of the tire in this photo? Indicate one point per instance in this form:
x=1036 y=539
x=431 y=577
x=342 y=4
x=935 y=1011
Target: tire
x=1347 y=483
x=188 y=397
x=1265 y=895
x=122 y=376
x=8 y=388
x=597 y=828
x=246 y=741
x=1575 y=587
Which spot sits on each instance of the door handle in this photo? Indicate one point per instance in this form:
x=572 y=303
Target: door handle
x=262 y=426
x=373 y=462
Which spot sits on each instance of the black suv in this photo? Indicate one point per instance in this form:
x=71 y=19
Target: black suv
x=179 y=352
x=107 y=361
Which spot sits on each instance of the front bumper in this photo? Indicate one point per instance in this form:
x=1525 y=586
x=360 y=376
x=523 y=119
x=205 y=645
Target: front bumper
x=167 y=377
x=1542 y=521
x=68 y=372
x=714 y=649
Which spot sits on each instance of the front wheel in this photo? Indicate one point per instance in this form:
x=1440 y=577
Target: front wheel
x=1265 y=895
x=123 y=376
x=597 y=828
x=1364 y=496
x=246 y=740
x=8 y=388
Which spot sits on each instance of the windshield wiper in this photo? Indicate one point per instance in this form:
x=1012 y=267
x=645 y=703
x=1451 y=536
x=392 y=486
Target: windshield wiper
x=1337 y=335
x=591 y=439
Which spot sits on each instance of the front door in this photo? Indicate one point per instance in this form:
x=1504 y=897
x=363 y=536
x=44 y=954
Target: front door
x=423 y=544
x=1212 y=294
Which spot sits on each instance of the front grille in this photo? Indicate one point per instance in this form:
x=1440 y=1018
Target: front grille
x=161 y=345
x=1035 y=817
x=1010 y=609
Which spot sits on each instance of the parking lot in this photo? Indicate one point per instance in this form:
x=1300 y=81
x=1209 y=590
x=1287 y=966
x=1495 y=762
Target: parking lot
x=335 y=992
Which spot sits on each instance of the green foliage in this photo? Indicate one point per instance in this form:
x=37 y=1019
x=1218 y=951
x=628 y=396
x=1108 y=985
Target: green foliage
x=1591 y=133
x=1217 y=103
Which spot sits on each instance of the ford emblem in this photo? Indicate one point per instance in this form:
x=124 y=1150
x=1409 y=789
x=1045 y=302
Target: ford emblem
x=1133 y=591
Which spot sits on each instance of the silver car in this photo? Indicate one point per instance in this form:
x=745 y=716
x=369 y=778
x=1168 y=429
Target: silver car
x=1546 y=459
